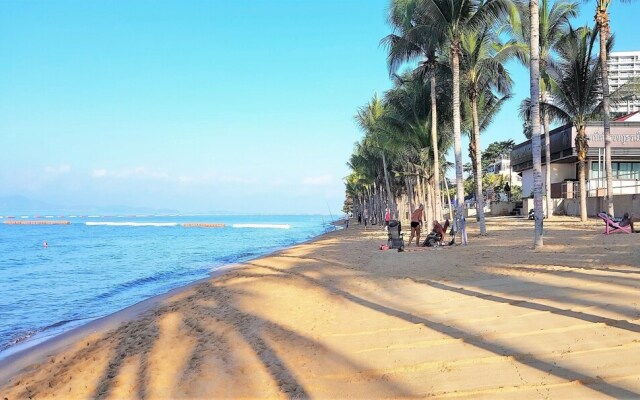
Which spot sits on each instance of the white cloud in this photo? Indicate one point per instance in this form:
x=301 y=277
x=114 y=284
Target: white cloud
x=212 y=177
x=99 y=173
x=317 y=180
x=57 y=170
x=138 y=172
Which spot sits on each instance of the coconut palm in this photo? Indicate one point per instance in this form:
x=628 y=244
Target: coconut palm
x=408 y=123
x=449 y=19
x=483 y=72
x=368 y=119
x=367 y=163
x=602 y=22
x=553 y=22
x=534 y=89
x=575 y=90
x=414 y=41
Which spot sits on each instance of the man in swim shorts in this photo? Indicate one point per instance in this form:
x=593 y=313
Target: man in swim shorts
x=416 y=224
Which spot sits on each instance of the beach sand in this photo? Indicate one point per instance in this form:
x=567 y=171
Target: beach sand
x=338 y=318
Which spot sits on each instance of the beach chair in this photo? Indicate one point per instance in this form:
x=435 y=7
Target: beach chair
x=396 y=237
x=611 y=226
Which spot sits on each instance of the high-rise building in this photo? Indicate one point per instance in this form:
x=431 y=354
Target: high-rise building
x=624 y=65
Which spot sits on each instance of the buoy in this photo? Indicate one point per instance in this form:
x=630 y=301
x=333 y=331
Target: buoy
x=39 y=222
x=202 y=225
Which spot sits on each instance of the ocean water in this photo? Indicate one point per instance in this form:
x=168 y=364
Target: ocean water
x=98 y=265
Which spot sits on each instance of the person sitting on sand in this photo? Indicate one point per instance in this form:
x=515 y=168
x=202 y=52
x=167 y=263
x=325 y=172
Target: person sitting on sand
x=440 y=229
x=628 y=220
x=416 y=224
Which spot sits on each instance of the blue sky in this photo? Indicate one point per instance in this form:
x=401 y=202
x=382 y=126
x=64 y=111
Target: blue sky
x=241 y=106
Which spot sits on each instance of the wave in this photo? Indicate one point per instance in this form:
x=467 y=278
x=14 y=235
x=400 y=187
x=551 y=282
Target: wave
x=164 y=276
x=132 y=223
x=267 y=226
x=23 y=336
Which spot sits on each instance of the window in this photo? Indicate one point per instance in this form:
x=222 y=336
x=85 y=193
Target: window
x=619 y=170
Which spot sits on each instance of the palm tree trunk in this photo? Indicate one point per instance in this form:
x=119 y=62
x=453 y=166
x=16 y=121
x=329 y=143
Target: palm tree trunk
x=420 y=191
x=478 y=167
x=602 y=18
x=409 y=193
x=430 y=200
x=581 y=148
x=457 y=141
x=434 y=145
x=534 y=87
x=446 y=188
x=390 y=199
x=547 y=156
x=370 y=208
x=582 y=176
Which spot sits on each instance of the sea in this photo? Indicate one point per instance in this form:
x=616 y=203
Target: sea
x=97 y=265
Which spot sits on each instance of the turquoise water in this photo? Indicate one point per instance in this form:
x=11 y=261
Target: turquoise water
x=98 y=265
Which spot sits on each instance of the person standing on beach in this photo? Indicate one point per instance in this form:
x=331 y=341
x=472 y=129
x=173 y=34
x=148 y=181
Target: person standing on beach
x=346 y=220
x=416 y=224
x=387 y=218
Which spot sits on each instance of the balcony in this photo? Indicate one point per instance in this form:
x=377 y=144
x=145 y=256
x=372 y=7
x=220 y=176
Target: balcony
x=595 y=188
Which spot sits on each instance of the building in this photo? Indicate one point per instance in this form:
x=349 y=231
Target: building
x=623 y=65
x=503 y=167
x=625 y=159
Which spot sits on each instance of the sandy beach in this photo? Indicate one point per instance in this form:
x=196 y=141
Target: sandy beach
x=338 y=318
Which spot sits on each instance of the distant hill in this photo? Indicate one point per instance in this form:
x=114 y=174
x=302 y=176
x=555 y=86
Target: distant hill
x=21 y=204
x=14 y=205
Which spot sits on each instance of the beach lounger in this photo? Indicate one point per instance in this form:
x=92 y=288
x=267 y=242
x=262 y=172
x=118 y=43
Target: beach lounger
x=611 y=226
x=396 y=237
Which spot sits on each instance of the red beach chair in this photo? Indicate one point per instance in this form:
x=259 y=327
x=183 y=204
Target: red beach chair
x=612 y=226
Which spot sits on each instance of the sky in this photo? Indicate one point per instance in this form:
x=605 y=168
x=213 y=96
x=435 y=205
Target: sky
x=200 y=106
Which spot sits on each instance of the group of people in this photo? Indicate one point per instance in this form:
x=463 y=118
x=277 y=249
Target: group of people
x=417 y=216
x=364 y=217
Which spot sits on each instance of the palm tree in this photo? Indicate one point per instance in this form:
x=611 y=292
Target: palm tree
x=602 y=22
x=449 y=19
x=534 y=88
x=368 y=118
x=553 y=22
x=408 y=123
x=576 y=87
x=414 y=40
x=483 y=58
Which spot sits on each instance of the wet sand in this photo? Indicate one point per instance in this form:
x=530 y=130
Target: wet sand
x=337 y=318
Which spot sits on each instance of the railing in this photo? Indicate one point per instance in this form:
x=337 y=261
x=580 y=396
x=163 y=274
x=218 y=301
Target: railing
x=598 y=188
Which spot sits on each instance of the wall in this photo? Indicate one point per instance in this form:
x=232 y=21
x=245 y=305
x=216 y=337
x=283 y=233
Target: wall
x=502 y=207
x=623 y=203
x=527 y=182
x=558 y=206
x=559 y=172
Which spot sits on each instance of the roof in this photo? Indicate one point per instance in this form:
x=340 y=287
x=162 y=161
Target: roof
x=633 y=117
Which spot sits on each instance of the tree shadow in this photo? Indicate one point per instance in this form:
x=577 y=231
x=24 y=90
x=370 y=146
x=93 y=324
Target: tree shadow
x=202 y=322
x=124 y=349
x=596 y=383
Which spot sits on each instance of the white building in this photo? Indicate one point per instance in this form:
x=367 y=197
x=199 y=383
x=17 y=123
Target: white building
x=625 y=159
x=503 y=167
x=623 y=65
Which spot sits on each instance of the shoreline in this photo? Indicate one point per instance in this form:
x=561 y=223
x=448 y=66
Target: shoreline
x=336 y=317
x=14 y=363
x=30 y=354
